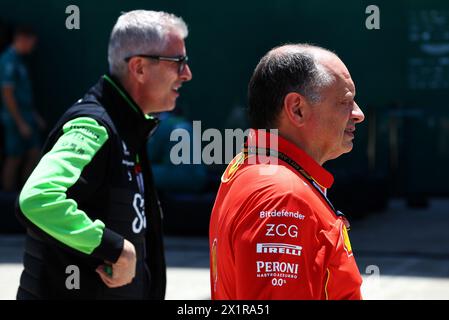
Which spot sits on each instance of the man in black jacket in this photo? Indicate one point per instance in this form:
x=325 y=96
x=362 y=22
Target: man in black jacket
x=94 y=224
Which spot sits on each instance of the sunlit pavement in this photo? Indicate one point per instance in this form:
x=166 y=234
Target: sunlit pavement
x=402 y=253
x=409 y=248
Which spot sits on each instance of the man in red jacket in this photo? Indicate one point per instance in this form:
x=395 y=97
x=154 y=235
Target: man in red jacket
x=273 y=232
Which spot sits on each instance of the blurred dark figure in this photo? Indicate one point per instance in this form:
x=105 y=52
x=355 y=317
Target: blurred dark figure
x=20 y=120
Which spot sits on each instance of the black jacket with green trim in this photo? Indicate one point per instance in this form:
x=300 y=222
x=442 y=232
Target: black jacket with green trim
x=113 y=198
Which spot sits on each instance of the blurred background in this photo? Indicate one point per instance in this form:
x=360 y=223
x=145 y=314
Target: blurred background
x=393 y=185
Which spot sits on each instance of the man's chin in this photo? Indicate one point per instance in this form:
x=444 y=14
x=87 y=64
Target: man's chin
x=348 y=147
x=171 y=105
x=160 y=109
x=171 y=108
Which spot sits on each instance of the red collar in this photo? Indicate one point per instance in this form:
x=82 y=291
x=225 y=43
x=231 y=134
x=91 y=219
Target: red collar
x=320 y=175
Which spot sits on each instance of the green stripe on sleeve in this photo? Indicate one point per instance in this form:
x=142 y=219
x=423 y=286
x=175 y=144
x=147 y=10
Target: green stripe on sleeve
x=43 y=199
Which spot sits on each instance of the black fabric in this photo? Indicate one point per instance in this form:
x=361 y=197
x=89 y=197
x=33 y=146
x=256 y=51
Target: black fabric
x=107 y=190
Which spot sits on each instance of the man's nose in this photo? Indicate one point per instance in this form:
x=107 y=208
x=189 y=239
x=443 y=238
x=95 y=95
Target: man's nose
x=357 y=114
x=186 y=74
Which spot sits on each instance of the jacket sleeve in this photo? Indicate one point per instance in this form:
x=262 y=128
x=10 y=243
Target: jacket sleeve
x=43 y=200
x=343 y=279
x=7 y=73
x=275 y=250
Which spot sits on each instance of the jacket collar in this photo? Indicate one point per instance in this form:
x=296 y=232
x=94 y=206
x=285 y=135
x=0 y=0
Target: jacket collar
x=264 y=139
x=133 y=124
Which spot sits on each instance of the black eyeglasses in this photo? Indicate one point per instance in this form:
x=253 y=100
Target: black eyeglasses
x=181 y=60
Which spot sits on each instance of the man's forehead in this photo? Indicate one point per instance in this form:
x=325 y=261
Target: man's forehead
x=334 y=65
x=347 y=87
x=175 y=44
x=338 y=69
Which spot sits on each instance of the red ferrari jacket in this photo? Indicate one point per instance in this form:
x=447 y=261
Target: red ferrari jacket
x=273 y=234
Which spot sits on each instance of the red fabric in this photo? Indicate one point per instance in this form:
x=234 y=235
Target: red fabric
x=272 y=236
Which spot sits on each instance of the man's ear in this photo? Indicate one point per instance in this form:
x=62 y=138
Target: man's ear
x=136 y=68
x=295 y=108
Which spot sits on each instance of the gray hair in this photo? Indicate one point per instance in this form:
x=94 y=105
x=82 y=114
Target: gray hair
x=141 y=32
x=321 y=78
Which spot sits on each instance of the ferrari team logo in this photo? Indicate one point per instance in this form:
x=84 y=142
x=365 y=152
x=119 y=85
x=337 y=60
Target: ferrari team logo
x=233 y=167
x=346 y=243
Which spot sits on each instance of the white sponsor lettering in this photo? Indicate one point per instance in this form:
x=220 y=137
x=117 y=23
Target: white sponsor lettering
x=277 y=269
x=280 y=214
x=281 y=230
x=125 y=149
x=128 y=163
x=140 y=222
x=282 y=248
x=278 y=282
